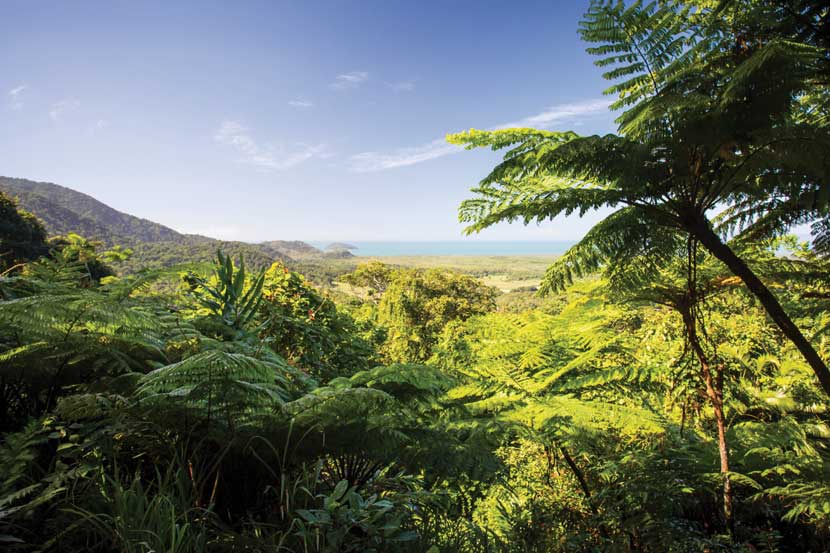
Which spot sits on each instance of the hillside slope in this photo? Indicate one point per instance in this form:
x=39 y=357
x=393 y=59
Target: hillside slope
x=64 y=210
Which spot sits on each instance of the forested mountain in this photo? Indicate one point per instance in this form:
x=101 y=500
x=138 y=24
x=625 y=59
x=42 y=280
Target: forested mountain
x=64 y=211
x=295 y=249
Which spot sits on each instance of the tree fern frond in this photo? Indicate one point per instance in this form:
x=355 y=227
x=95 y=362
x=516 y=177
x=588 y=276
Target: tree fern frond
x=639 y=42
x=329 y=408
x=554 y=413
x=402 y=381
x=625 y=237
x=218 y=385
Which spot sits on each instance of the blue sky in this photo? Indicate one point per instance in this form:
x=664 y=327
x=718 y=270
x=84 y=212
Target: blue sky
x=288 y=120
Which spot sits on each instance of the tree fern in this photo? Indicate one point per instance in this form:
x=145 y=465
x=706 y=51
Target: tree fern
x=709 y=121
x=71 y=336
x=524 y=369
x=230 y=387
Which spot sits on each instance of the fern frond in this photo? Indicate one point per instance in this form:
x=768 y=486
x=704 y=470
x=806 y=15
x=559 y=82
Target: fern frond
x=625 y=243
x=230 y=386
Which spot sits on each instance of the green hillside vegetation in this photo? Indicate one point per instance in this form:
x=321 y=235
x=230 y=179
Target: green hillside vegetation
x=518 y=273
x=154 y=246
x=65 y=211
x=666 y=392
x=22 y=235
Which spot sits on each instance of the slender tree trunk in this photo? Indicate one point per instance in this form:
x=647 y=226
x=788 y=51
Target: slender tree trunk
x=712 y=242
x=584 y=485
x=580 y=478
x=714 y=391
x=715 y=394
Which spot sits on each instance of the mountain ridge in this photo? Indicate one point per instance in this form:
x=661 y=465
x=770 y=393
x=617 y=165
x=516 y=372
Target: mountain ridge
x=64 y=210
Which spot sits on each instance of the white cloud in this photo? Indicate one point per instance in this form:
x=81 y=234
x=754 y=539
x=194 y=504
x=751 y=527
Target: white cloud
x=102 y=124
x=58 y=108
x=14 y=97
x=300 y=104
x=401 y=157
x=559 y=113
x=353 y=79
x=266 y=156
x=402 y=86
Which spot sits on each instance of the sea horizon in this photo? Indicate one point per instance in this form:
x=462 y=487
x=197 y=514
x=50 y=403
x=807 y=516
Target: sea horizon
x=394 y=248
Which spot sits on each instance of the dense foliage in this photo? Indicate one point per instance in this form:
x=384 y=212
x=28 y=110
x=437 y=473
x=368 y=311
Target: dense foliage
x=249 y=412
x=666 y=395
x=413 y=306
x=22 y=236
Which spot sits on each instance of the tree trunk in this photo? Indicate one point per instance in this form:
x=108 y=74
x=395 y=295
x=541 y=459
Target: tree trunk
x=580 y=478
x=584 y=485
x=712 y=242
x=716 y=396
x=714 y=391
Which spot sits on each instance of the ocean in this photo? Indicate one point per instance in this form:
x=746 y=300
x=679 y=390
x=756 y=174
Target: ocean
x=453 y=247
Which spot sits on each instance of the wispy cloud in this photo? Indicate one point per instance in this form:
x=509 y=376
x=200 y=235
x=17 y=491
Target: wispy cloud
x=353 y=79
x=266 y=156
x=58 y=108
x=402 y=157
x=15 y=100
x=402 y=86
x=555 y=114
x=300 y=104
